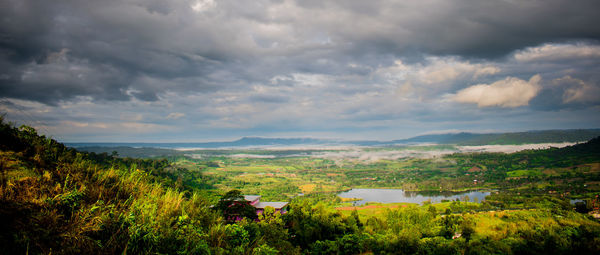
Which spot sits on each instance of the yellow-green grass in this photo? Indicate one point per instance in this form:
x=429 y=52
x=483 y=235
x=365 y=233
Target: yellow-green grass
x=499 y=224
x=522 y=173
x=259 y=169
x=371 y=209
x=307 y=188
x=15 y=168
x=350 y=199
x=441 y=207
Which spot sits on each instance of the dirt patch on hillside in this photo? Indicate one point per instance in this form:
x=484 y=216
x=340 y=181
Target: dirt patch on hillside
x=594 y=167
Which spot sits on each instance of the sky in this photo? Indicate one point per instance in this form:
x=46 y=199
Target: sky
x=211 y=70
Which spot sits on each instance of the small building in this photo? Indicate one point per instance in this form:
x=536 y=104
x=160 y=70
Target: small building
x=254 y=200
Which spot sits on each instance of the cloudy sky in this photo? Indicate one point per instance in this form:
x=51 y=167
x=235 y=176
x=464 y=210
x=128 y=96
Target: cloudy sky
x=206 y=70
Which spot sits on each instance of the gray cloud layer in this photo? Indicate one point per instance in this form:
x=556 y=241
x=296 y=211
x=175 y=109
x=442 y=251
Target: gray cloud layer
x=316 y=66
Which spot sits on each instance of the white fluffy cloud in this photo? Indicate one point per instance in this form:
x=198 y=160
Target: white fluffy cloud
x=510 y=92
x=553 y=52
x=578 y=91
x=436 y=75
x=441 y=69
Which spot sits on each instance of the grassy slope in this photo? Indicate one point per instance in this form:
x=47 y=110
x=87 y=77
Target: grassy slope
x=57 y=200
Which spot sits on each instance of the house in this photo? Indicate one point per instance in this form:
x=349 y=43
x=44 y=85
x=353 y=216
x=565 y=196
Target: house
x=254 y=201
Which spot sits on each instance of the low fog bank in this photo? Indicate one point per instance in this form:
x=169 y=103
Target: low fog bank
x=307 y=147
x=372 y=154
x=512 y=148
x=408 y=152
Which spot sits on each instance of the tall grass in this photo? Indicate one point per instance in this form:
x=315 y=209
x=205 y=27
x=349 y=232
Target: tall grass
x=57 y=200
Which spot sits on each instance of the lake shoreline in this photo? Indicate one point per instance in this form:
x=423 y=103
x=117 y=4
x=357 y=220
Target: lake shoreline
x=416 y=197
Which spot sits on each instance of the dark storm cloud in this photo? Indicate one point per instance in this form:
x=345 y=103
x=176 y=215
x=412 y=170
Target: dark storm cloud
x=285 y=65
x=227 y=44
x=103 y=52
x=492 y=28
x=463 y=27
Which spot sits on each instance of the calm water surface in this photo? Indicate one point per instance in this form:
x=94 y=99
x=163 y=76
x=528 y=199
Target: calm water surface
x=401 y=196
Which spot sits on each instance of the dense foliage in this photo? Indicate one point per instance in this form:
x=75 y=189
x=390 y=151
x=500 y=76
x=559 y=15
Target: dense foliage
x=58 y=200
x=233 y=207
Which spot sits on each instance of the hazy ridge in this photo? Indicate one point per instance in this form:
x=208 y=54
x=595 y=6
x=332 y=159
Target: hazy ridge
x=293 y=146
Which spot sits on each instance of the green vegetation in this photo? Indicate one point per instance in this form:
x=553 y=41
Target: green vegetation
x=572 y=171
x=231 y=208
x=56 y=200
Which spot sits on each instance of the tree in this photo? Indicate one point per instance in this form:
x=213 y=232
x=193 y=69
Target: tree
x=431 y=209
x=273 y=231
x=233 y=206
x=264 y=250
x=467 y=228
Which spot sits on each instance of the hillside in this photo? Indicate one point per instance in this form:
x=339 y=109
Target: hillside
x=57 y=200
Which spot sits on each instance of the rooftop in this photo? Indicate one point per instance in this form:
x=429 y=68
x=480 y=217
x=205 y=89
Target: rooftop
x=251 y=198
x=276 y=205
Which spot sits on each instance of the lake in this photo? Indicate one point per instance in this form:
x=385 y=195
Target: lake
x=401 y=196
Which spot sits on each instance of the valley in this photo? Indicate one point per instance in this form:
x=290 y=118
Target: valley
x=61 y=200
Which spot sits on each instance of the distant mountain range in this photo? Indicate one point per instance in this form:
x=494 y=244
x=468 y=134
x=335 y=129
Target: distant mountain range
x=243 y=142
x=543 y=136
x=463 y=138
